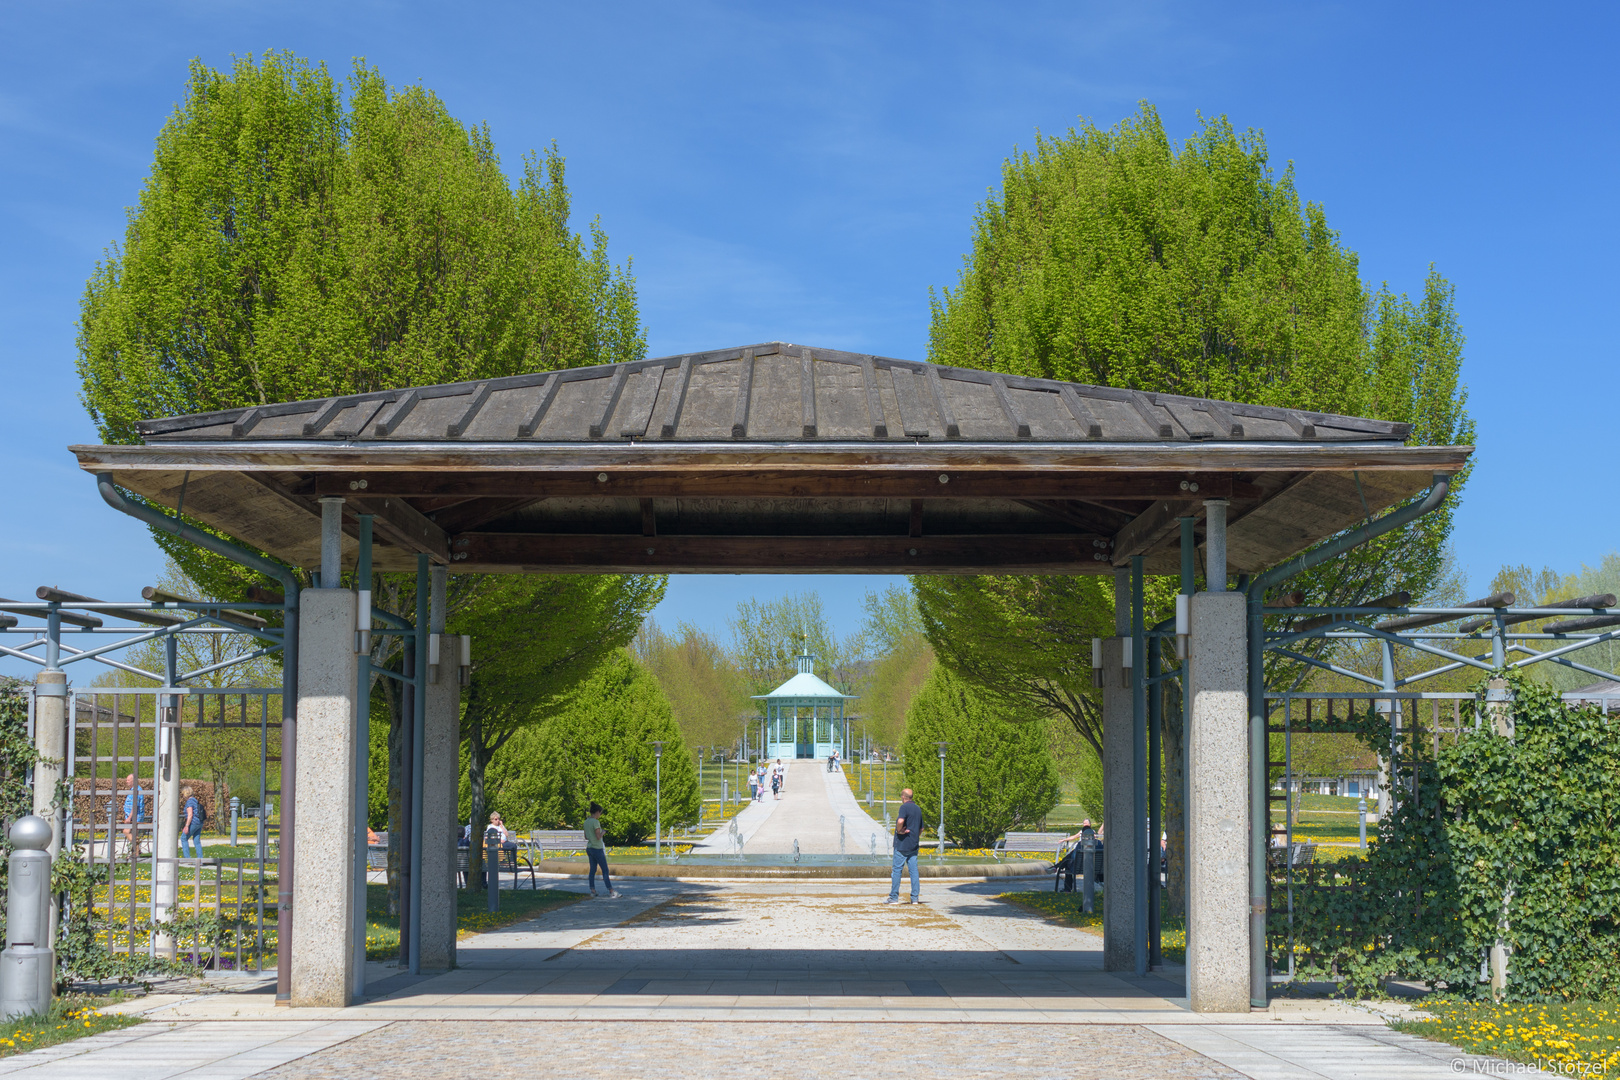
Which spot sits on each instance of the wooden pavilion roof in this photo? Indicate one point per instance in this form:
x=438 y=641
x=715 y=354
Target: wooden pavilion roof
x=775 y=458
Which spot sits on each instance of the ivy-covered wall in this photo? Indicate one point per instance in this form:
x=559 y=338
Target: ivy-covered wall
x=1493 y=837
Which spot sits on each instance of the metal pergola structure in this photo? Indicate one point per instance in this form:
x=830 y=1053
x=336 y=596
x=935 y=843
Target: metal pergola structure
x=778 y=458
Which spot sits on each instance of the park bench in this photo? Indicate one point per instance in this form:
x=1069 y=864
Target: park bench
x=1300 y=855
x=510 y=862
x=1044 y=843
x=544 y=840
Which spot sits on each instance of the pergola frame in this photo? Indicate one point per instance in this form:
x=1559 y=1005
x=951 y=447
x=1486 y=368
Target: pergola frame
x=780 y=458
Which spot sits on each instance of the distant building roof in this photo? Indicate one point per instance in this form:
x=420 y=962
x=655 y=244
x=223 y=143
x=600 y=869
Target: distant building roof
x=806 y=685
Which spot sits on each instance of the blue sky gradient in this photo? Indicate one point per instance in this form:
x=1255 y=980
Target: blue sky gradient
x=808 y=172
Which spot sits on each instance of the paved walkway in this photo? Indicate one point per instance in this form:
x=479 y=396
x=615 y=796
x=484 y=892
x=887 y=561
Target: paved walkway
x=798 y=979
x=809 y=811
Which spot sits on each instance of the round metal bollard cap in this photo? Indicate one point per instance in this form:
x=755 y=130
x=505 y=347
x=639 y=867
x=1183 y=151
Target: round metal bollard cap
x=31 y=833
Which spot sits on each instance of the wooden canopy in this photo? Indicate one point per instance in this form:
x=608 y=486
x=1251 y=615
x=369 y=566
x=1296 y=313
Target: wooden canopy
x=774 y=458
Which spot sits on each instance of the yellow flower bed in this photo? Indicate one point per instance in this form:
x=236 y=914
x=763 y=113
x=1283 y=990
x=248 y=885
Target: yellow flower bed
x=1571 y=1038
x=70 y=1018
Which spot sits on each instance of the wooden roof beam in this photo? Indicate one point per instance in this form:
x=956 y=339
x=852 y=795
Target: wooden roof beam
x=619 y=553
x=1152 y=527
x=831 y=482
x=402 y=525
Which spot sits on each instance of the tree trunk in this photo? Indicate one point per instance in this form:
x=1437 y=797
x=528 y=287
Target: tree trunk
x=477 y=759
x=1175 y=807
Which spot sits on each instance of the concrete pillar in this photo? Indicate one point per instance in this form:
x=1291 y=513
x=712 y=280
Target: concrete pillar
x=441 y=774
x=1218 y=805
x=1122 y=831
x=323 y=876
x=50 y=740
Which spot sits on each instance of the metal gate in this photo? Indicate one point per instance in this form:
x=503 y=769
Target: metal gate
x=127 y=764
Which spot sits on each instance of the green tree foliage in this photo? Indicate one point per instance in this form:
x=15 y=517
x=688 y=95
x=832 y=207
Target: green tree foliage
x=1119 y=258
x=705 y=688
x=901 y=661
x=1026 y=640
x=599 y=747
x=536 y=640
x=768 y=635
x=999 y=772
x=291 y=243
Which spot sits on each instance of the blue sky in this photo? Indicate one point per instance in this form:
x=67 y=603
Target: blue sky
x=807 y=172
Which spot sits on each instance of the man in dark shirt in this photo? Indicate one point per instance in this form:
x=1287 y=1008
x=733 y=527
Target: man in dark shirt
x=907 y=836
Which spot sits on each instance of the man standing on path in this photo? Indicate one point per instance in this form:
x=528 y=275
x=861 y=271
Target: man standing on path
x=596 y=851
x=907 y=837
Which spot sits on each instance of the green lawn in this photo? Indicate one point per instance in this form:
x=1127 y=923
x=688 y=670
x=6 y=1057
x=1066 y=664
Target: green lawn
x=1573 y=1038
x=472 y=914
x=71 y=1017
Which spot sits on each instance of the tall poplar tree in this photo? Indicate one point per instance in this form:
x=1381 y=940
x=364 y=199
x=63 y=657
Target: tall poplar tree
x=1121 y=258
x=294 y=242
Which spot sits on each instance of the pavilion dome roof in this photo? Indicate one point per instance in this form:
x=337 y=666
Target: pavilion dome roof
x=806 y=685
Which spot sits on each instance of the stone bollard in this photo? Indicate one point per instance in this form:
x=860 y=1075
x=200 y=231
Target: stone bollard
x=28 y=964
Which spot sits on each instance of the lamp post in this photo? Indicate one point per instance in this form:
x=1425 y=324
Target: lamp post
x=942 y=747
x=658 y=801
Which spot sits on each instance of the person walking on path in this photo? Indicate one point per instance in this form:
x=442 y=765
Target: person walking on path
x=134 y=813
x=753 y=786
x=907 y=838
x=776 y=784
x=191 y=824
x=596 y=851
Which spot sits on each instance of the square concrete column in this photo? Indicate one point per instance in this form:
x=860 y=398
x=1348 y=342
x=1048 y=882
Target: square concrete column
x=1218 y=805
x=1122 y=832
x=441 y=774
x=323 y=868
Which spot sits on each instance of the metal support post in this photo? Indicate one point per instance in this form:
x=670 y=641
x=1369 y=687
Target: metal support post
x=941 y=849
x=1155 y=719
x=1215 y=545
x=492 y=868
x=1259 y=809
x=1139 y=780
x=418 y=731
x=362 y=756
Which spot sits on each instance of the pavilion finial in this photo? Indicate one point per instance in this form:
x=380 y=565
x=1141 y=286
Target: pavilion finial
x=806 y=666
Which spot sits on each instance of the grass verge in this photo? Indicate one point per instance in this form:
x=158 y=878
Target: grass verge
x=472 y=914
x=71 y=1017
x=1580 y=1038
x=1069 y=909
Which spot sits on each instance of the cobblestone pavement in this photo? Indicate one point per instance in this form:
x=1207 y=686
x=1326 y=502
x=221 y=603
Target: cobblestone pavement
x=780 y=1051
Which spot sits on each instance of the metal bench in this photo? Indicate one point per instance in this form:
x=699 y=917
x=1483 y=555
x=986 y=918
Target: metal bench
x=1300 y=855
x=1044 y=843
x=510 y=862
x=544 y=840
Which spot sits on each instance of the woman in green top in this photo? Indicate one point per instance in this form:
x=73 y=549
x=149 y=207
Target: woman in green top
x=596 y=851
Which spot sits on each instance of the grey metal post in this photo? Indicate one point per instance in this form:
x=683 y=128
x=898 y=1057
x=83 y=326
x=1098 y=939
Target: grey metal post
x=1189 y=585
x=418 y=749
x=236 y=810
x=28 y=964
x=942 y=747
x=1361 y=807
x=361 y=812
x=658 y=801
x=1155 y=782
x=1259 y=812
x=492 y=871
x=1139 y=753
x=1088 y=868
x=1215 y=545
x=331 y=541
